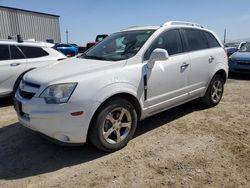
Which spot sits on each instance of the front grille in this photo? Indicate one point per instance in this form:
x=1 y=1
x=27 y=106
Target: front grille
x=246 y=63
x=243 y=70
x=25 y=94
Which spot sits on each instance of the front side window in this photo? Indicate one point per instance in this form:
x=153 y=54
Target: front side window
x=195 y=39
x=16 y=53
x=169 y=40
x=119 y=46
x=33 y=52
x=4 y=52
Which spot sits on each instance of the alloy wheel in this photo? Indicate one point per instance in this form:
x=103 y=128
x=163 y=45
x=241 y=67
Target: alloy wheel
x=217 y=90
x=117 y=125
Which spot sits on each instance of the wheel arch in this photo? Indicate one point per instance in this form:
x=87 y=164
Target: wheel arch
x=124 y=95
x=222 y=73
x=18 y=80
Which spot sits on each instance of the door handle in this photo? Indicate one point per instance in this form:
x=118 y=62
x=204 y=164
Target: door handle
x=210 y=59
x=14 y=64
x=184 y=65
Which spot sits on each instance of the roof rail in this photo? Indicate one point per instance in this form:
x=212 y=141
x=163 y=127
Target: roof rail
x=182 y=23
x=131 y=27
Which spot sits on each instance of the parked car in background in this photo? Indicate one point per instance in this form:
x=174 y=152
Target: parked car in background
x=67 y=49
x=18 y=58
x=233 y=47
x=231 y=50
x=75 y=45
x=129 y=76
x=240 y=60
x=98 y=39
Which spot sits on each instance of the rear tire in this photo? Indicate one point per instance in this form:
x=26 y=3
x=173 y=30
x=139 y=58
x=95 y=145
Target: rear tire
x=114 y=125
x=214 y=92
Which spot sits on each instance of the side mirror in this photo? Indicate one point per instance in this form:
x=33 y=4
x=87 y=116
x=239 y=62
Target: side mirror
x=157 y=55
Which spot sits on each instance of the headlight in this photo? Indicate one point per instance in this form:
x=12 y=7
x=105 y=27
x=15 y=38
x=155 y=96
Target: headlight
x=59 y=93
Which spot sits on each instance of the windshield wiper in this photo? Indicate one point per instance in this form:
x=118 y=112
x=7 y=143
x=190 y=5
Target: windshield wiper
x=93 y=57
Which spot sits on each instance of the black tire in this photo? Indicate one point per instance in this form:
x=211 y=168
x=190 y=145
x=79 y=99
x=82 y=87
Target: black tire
x=102 y=122
x=209 y=98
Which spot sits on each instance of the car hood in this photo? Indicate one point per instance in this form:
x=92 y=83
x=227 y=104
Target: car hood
x=65 y=69
x=245 y=56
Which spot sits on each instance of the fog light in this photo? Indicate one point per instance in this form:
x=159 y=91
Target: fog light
x=26 y=116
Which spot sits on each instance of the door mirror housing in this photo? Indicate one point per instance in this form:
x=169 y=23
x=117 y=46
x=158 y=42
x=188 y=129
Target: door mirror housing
x=158 y=54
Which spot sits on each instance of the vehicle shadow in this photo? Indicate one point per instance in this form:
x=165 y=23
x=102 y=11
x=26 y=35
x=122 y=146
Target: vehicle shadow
x=6 y=101
x=23 y=153
x=238 y=76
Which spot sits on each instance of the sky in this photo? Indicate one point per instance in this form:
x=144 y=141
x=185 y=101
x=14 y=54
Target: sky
x=85 y=19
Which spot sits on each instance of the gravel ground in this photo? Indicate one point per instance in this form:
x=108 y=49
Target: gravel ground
x=188 y=146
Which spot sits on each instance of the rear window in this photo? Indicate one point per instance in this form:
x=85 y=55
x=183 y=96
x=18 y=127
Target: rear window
x=212 y=41
x=33 y=52
x=16 y=53
x=195 y=39
x=4 y=52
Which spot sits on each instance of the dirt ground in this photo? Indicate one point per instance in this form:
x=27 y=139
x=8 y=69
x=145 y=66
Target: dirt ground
x=188 y=146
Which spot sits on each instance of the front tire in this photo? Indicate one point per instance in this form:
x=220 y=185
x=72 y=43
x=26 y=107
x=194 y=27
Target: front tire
x=214 y=92
x=114 y=125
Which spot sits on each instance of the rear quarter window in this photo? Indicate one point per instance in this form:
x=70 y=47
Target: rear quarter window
x=33 y=52
x=196 y=40
x=212 y=41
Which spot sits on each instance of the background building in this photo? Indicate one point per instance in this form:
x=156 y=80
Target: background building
x=29 y=24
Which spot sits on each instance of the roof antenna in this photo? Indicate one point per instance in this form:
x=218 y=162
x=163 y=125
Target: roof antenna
x=19 y=38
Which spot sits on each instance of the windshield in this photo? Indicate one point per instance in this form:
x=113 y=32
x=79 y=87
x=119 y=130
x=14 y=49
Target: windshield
x=119 y=46
x=245 y=48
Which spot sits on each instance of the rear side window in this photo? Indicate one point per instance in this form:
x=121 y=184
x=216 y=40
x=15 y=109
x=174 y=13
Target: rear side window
x=212 y=41
x=16 y=53
x=4 y=52
x=169 y=40
x=33 y=52
x=196 y=39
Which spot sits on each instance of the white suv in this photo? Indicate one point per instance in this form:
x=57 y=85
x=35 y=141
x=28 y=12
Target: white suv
x=17 y=58
x=129 y=76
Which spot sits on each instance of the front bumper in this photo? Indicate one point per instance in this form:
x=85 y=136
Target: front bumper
x=239 y=67
x=53 y=120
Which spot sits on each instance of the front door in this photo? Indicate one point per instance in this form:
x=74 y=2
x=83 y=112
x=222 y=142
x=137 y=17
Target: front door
x=167 y=80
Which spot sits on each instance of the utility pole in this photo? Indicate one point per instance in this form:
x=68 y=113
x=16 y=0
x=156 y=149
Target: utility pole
x=225 y=35
x=67 y=36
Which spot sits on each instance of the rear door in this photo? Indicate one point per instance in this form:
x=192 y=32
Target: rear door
x=202 y=60
x=12 y=65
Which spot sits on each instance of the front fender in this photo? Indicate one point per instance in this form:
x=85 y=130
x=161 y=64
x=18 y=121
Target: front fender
x=118 y=88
